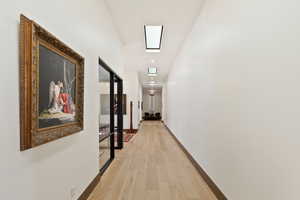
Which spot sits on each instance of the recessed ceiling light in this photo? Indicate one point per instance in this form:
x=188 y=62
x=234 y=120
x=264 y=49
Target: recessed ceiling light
x=152 y=70
x=153 y=36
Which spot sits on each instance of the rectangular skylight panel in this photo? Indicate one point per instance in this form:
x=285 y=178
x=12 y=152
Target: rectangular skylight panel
x=153 y=35
x=152 y=70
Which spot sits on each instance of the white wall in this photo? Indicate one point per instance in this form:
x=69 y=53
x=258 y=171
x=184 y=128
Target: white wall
x=140 y=98
x=49 y=172
x=234 y=88
x=164 y=102
x=131 y=89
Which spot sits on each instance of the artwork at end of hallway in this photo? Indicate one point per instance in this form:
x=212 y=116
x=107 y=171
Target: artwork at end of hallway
x=51 y=82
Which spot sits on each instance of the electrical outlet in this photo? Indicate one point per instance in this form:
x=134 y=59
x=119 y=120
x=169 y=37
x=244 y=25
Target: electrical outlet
x=73 y=193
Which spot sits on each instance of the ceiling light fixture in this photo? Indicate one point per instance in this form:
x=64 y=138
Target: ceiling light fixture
x=152 y=70
x=153 y=37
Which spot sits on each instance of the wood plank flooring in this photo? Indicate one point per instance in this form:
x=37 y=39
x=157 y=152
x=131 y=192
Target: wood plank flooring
x=151 y=167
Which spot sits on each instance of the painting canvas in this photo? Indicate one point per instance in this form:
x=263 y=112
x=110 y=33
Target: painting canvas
x=56 y=89
x=51 y=87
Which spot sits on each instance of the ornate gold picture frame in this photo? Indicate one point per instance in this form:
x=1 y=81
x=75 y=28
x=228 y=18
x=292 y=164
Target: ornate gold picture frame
x=51 y=87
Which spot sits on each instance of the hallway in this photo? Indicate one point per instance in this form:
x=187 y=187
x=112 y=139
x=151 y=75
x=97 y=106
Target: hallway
x=151 y=166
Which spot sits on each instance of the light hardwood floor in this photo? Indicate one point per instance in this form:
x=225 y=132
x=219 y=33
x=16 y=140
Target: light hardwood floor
x=151 y=167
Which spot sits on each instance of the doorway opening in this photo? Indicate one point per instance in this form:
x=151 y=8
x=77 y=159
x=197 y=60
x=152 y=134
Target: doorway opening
x=110 y=114
x=152 y=103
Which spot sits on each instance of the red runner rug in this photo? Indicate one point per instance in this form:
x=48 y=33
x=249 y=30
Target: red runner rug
x=126 y=136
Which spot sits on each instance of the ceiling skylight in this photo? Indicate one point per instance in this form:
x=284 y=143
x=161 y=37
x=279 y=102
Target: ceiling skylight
x=153 y=36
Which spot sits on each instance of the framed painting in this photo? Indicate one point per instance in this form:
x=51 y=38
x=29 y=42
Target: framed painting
x=51 y=86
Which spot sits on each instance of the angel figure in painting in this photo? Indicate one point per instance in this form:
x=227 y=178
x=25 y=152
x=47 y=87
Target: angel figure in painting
x=59 y=101
x=55 y=103
x=61 y=108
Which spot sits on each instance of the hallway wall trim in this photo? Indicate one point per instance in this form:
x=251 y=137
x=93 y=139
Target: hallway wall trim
x=86 y=193
x=218 y=193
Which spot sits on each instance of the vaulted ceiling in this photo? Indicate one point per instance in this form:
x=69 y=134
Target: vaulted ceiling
x=130 y=16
